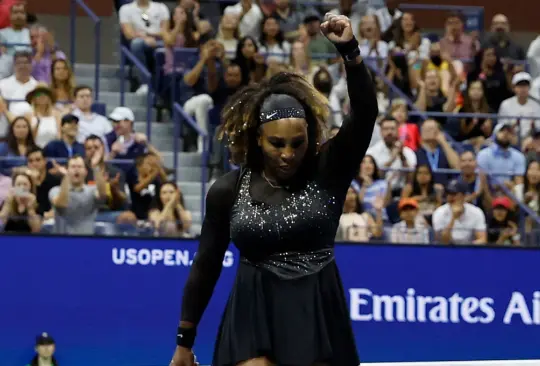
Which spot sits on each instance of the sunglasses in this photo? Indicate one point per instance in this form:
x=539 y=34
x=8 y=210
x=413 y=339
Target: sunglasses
x=146 y=19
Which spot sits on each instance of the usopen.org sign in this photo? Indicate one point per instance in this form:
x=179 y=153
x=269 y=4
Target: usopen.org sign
x=116 y=301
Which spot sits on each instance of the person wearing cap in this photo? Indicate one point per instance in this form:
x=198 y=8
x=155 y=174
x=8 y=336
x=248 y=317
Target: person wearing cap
x=503 y=230
x=521 y=105
x=46 y=124
x=45 y=349
x=67 y=146
x=502 y=162
x=122 y=141
x=412 y=229
x=458 y=222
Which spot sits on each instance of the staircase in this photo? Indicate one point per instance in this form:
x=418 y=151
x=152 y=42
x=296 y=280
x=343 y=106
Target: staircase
x=189 y=164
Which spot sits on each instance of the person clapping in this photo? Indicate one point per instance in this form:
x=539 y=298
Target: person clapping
x=18 y=213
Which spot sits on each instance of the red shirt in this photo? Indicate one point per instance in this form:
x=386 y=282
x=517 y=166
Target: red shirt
x=409 y=134
x=5 y=12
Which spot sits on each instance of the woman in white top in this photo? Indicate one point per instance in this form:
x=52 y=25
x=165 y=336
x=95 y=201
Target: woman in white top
x=273 y=43
x=528 y=192
x=372 y=48
x=62 y=84
x=407 y=36
x=300 y=61
x=355 y=225
x=228 y=34
x=45 y=118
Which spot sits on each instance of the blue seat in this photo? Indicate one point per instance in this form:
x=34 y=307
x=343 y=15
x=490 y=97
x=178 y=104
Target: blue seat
x=104 y=229
x=99 y=108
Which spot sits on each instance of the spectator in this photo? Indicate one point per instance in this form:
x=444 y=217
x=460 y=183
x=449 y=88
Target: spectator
x=533 y=56
x=356 y=225
x=475 y=130
x=229 y=84
x=115 y=200
x=388 y=16
x=67 y=146
x=90 y=123
x=45 y=52
x=144 y=189
x=17 y=36
x=412 y=228
x=521 y=105
x=250 y=60
x=500 y=39
x=200 y=23
x=501 y=161
x=17 y=86
x=179 y=34
x=43 y=180
x=143 y=22
x=62 y=83
x=370 y=187
x=301 y=61
x=476 y=185
x=322 y=81
x=45 y=118
x=19 y=211
x=45 y=348
x=431 y=97
x=250 y=15
x=409 y=133
x=458 y=222
x=528 y=192
x=5 y=12
x=531 y=147
x=424 y=190
x=407 y=36
x=502 y=230
x=76 y=203
x=168 y=213
x=5 y=187
x=19 y=141
x=372 y=48
x=289 y=19
x=317 y=43
x=200 y=79
x=391 y=153
x=228 y=34
x=123 y=142
x=399 y=73
x=436 y=151
x=455 y=42
x=443 y=64
x=273 y=43
x=489 y=69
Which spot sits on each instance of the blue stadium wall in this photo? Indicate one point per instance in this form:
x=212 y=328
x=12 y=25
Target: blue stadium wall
x=115 y=301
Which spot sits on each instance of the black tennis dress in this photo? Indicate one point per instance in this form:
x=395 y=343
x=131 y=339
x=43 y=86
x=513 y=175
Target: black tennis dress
x=287 y=303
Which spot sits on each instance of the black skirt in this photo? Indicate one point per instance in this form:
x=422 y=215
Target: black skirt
x=293 y=322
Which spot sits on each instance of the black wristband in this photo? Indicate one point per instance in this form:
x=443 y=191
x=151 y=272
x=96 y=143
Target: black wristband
x=185 y=337
x=348 y=50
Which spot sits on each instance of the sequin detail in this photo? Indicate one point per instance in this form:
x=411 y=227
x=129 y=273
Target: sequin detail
x=281 y=113
x=305 y=221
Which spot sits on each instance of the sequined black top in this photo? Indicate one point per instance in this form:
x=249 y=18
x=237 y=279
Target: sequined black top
x=262 y=220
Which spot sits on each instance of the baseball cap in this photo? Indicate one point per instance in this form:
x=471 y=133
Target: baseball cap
x=70 y=118
x=500 y=126
x=456 y=186
x=502 y=202
x=121 y=114
x=44 y=339
x=521 y=77
x=407 y=202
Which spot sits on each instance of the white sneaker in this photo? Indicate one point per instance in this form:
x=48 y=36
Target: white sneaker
x=143 y=90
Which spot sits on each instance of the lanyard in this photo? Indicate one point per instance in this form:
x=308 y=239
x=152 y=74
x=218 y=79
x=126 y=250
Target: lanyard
x=69 y=150
x=433 y=159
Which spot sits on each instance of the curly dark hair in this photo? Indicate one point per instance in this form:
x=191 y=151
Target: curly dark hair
x=241 y=117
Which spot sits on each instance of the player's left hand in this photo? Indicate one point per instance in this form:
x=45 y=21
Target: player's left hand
x=337 y=28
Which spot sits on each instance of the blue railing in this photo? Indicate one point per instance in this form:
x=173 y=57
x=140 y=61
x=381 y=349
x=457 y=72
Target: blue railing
x=179 y=117
x=125 y=53
x=97 y=39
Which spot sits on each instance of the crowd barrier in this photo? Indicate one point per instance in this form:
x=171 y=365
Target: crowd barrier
x=115 y=301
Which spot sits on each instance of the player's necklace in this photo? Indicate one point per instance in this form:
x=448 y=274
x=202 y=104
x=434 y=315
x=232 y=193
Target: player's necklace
x=269 y=182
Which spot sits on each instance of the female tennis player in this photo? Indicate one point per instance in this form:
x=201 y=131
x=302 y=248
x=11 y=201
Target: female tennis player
x=281 y=210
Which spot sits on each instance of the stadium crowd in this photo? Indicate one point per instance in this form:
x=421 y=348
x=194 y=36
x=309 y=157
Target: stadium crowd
x=463 y=177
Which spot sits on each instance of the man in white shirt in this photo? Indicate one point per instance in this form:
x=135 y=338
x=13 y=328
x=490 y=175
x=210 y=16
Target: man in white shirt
x=387 y=15
x=15 y=87
x=457 y=222
x=250 y=15
x=90 y=123
x=390 y=153
x=521 y=105
x=15 y=37
x=143 y=22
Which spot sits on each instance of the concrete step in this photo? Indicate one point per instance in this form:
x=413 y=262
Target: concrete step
x=132 y=100
x=184 y=159
x=105 y=84
x=193 y=203
x=105 y=71
x=192 y=188
x=158 y=128
x=190 y=174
